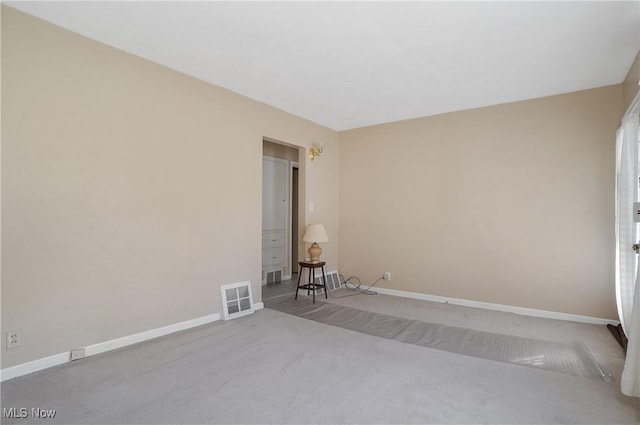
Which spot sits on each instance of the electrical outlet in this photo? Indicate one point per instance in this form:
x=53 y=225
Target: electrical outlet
x=387 y=276
x=13 y=339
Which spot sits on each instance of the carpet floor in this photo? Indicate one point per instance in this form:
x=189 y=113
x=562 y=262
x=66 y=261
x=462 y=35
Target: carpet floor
x=572 y=357
x=272 y=367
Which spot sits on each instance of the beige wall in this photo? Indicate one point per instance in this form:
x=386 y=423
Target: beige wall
x=130 y=192
x=510 y=204
x=631 y=84
x=276 y=150
x=118 y=214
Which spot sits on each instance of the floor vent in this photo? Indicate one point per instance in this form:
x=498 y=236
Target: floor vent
x=274 y=276
x=333 y=282
x=237 y=300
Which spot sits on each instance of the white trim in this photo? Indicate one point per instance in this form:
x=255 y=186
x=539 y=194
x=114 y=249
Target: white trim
x=114 y=344
x=33 y=366
x=58 y=359
x=258 y=306
x=498 y=307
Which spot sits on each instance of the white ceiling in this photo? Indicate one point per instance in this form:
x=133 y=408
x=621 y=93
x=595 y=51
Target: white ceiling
x=352 y=64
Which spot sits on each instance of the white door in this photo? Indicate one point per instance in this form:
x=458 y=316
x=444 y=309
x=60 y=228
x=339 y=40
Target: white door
x=274 y=194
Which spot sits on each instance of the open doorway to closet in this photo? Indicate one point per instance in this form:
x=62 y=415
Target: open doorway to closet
x=280 y=212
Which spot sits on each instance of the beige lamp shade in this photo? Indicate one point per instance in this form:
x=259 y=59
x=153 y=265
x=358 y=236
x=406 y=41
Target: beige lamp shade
x=315 y=233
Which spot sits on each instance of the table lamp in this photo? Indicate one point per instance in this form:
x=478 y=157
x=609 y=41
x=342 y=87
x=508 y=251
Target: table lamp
x=315 y=233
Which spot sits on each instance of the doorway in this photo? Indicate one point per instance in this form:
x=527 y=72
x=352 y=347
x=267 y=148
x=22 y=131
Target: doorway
x=281 y=187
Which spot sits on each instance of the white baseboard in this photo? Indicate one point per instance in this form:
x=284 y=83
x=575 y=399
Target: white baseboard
x=498 y=307
x=33 y=366
x=91 y=350
x=258 y=306
x=114 y=344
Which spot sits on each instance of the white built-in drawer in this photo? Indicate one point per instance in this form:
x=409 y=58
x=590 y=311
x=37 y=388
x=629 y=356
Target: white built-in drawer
x=271 y=239
x=272 y=256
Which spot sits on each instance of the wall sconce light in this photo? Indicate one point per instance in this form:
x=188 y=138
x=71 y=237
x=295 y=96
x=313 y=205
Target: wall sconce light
x=316 y=150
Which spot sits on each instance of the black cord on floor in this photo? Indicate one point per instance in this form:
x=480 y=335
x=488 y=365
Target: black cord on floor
x=350 y=286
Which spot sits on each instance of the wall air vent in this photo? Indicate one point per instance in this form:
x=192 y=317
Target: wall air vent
x=237 y=300
x=274 y=276
x=333 y=281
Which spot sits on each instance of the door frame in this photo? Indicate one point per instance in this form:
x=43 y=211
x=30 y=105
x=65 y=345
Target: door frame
x=293 y=267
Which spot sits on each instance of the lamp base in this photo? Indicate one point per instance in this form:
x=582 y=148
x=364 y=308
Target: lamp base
x=314 y=252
